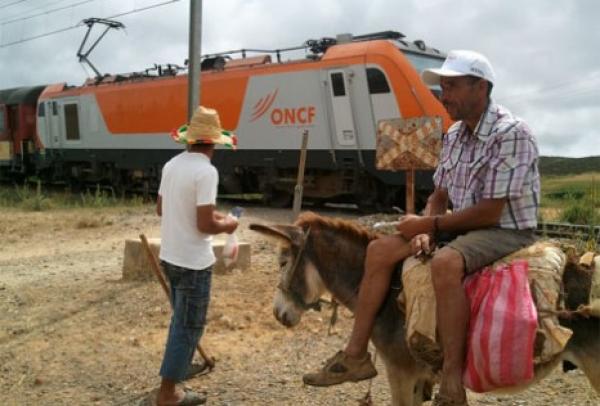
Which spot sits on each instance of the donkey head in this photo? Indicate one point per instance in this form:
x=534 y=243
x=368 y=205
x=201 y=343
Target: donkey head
x=300 y=285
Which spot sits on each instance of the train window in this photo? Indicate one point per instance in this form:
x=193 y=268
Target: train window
x=41 y=110
x=72 y=121
x=2 y=125
x=54 y=108
x=422 y=62
x=377 y=81
x=337 y=84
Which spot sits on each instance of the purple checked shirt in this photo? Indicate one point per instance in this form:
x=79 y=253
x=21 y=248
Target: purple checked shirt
x=499 y=160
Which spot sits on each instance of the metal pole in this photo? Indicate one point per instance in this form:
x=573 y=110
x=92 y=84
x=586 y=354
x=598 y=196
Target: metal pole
x=194 y=56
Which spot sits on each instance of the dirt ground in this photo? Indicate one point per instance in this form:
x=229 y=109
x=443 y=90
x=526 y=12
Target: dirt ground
x=72 y=332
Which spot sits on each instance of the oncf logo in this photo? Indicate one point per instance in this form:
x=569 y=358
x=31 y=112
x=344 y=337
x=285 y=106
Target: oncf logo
x=283 y=116
x=287 y=116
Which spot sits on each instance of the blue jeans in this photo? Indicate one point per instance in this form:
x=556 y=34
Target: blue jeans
x=190 y=295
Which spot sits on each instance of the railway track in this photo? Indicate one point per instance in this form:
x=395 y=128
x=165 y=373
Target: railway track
x=569 y=231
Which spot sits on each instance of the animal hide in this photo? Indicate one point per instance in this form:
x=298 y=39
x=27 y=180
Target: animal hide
x=546 y=265
x=593 y=308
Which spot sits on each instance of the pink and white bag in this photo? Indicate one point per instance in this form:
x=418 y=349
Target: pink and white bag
x=501 y=329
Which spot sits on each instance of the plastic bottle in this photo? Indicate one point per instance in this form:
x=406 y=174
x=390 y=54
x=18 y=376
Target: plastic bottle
x=231 y=247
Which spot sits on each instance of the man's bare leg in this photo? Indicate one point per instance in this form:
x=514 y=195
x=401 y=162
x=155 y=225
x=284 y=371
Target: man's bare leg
x=353 y=364
x=447 y=269
x=168 y=394
x=382 y=256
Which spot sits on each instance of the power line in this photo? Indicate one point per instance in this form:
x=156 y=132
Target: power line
x=563 y=96
x=592 y=80
x=25 y=13
x=136 y=10
x=29 y=17
x=12 y=4
x=566 y=92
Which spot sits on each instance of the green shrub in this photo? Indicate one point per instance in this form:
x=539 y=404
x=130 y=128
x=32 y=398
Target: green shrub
x=580 y=212
x=26 y=197
x=100 y=198
x=34 y=198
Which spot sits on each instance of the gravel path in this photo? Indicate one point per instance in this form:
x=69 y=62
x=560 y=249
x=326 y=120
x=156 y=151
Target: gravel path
x=72 y=332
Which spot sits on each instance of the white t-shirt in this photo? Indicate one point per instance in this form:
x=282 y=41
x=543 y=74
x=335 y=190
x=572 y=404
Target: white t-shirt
x=188 y=180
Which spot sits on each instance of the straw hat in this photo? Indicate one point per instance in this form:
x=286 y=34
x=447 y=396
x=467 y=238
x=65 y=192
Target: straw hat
x=204 y=128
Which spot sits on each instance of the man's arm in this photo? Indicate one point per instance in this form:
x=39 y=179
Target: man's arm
x=486 y=213
x=210 y=221
x=159 y=206
x=437 y=203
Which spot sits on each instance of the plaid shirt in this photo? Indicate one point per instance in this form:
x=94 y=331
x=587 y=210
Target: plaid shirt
x=498 y=161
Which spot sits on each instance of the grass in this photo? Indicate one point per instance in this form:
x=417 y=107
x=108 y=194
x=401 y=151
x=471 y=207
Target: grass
x=572 y=198
x=33 y=196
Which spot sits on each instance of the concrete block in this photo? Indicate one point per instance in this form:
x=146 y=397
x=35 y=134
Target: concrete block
x=137 y=266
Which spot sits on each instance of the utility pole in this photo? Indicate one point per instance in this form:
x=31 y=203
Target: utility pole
x=195 y=43
x=194 y=91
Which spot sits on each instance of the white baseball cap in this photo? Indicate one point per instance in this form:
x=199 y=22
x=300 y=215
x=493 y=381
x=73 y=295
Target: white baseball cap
x=461 y=63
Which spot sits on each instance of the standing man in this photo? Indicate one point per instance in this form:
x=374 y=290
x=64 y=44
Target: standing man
x=488 y=174
x=186 y=203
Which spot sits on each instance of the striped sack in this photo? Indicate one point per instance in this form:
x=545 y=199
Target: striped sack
x=501 y=329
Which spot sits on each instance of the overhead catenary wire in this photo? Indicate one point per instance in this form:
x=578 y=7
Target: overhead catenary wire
x=135 y=10
x=563 y=91
x=43 y=13
x=11 y=4
x=46 y=6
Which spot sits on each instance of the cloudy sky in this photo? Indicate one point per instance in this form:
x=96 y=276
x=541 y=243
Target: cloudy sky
x=545 y=52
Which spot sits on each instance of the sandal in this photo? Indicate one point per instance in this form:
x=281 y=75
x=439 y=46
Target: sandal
x=342 y=368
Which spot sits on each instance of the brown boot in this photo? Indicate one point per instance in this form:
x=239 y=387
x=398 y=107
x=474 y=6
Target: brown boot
x=342 y=368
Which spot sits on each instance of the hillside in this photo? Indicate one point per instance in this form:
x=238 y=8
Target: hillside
x=554 y=165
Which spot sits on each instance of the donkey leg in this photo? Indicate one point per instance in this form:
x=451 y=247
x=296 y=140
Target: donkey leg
x=583 y=349
x=587 y=361
x=406 y=385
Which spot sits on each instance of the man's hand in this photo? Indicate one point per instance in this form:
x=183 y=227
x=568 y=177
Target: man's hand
x=411 y=225
x=421 y=243
x=231 y=223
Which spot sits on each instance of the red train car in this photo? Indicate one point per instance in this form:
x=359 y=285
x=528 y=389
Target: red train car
x=18 y=135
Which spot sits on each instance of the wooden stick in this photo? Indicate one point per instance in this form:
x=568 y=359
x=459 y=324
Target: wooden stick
x=161 y=279
x=299 y=189
x=410 y=191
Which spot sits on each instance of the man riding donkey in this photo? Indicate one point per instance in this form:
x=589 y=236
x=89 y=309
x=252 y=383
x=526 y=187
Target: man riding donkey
x=488 y=172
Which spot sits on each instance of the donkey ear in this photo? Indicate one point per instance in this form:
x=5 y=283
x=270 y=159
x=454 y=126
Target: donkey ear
x=283 y=233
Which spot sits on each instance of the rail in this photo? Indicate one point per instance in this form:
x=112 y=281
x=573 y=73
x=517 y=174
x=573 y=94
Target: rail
x=569 y=231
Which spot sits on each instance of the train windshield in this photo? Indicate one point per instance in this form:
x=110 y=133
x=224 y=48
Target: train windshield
x=422 y=62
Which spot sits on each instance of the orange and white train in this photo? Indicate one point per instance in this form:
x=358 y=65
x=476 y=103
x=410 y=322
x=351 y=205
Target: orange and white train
x=114 y=130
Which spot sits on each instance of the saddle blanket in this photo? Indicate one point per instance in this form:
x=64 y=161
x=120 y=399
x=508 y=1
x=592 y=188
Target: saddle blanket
x=545 y=263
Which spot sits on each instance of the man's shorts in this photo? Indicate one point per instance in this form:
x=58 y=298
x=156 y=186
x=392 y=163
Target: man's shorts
x=480 y=248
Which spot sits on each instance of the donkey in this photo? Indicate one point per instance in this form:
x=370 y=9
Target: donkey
x=321 y=254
